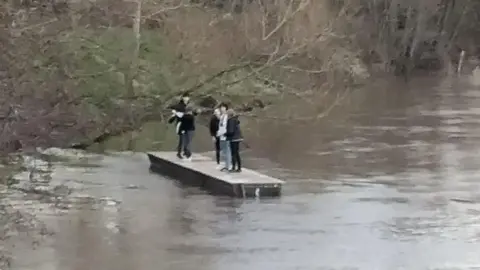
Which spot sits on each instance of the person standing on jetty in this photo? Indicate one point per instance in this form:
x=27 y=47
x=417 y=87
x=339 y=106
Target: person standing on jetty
x=221 y=134
x=178 y=111
x=186 y=130
x=234 y=137
x=214 y=122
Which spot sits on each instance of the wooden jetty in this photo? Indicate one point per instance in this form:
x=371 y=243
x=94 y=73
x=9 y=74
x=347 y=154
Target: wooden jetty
x=201 y=171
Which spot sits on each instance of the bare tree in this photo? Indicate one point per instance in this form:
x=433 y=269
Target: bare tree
x=73 y=69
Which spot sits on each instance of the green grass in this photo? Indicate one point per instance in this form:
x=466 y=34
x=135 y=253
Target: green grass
x=159 y=71
x=99 y=61
x=102 y=59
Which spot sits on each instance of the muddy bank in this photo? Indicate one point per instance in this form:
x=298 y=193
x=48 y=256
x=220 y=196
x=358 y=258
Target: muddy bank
x=205 y=103
x=73 y=124
x=85 y=77
x=28 y=194
x=32 y=121
x=18 y=226
x=36 y=190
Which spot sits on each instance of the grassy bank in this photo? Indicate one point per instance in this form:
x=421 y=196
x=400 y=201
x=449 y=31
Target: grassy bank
x=97 y=70
x=83 y=71
x=91 y=100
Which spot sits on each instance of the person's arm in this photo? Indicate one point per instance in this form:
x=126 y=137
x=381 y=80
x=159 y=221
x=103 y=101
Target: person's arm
x=172 y=117
x=230 y=127
x=213 y=129
x=175 y=115
x=196 y=111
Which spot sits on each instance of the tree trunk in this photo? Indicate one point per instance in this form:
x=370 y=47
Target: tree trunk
x=132 y=73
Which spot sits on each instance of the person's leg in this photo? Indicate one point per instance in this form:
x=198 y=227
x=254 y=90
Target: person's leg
x=184 y=145
x=226 y=155
x=222 y=151
x=228 y=159
x=180 y=145
x=239 y=160
x=187 y=142
x=233 y=147
x=190 y=136
x=217 y=150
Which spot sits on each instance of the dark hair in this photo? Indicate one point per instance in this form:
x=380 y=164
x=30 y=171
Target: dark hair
x=186 y=94
x=223 y=104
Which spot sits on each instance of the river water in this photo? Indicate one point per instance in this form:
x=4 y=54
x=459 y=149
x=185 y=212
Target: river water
x=389 y=181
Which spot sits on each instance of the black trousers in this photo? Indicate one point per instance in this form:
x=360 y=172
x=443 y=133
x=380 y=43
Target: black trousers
x=235 y=149
x=217 y=150
x=180 y=144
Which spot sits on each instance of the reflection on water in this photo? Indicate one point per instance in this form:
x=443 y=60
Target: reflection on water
x=391 y=182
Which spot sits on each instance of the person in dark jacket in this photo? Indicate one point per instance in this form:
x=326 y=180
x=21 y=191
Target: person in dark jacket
x=214 y=123
x=234 y=136
x=186 y=130
x=179 y=108
x=177 y=112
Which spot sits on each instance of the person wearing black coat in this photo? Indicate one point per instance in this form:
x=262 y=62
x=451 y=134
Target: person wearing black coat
x=186 y=130
x=178 y=110
x=234 y=136
x=214 y=123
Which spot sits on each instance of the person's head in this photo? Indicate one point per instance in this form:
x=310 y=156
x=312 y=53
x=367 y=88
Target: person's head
x=216 y=112
x=189 y=109
x=230 y=113
x=185 y=98
x=223 y=108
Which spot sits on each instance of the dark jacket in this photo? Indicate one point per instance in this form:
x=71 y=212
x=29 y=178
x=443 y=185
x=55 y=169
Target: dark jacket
x=214 y=122
x=180 y=107
x=187 y=123
x=234 y=133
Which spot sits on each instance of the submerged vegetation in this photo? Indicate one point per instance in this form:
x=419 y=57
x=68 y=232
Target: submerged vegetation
x=80 y=71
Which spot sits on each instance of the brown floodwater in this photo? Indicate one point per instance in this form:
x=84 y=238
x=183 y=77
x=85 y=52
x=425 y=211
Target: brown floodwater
x=389 y=180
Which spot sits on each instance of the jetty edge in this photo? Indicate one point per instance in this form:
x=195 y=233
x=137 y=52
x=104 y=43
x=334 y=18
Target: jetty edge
x=201 y=171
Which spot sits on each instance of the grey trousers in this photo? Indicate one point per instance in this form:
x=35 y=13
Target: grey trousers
x=186 y=140
x=226 y=153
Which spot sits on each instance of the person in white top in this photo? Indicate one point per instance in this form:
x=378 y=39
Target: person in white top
x=225 y=151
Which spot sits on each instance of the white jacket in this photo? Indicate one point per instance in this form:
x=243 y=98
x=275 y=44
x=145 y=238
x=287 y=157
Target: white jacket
x=222 y=127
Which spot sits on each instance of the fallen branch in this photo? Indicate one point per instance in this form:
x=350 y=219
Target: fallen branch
x=319 y=116
x=287 y=17
x=216 y=75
